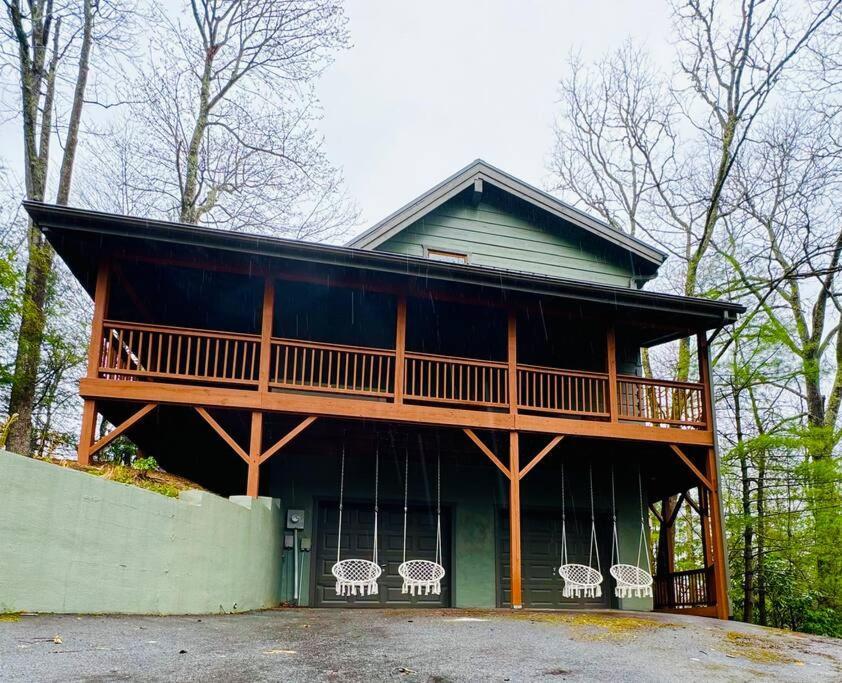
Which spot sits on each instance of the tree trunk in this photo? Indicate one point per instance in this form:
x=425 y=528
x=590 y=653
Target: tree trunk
x=40 y=254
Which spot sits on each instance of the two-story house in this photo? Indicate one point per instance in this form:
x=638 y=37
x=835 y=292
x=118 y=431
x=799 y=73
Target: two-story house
x=453 y=359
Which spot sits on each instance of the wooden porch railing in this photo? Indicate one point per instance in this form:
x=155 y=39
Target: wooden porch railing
x=660 y=401
x=150 y=352
x=691 y=588
x=563 y=391
x=332 y=368
x=137 y=351
x=443 y=379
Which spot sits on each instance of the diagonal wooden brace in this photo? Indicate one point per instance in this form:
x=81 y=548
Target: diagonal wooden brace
x=121 y=428
x=488 y=452
x=219 y=429
x=542 y=454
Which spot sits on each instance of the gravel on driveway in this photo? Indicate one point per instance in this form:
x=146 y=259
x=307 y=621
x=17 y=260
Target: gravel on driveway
x=408 y=645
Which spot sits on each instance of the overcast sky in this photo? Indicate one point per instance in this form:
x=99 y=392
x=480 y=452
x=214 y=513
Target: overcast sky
x=428 y=87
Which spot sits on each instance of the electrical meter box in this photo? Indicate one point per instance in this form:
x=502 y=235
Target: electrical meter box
x=295 y=519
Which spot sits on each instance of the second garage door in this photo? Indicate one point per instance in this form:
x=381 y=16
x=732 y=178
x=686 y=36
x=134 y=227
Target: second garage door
x=541 y=533
x=357 y=528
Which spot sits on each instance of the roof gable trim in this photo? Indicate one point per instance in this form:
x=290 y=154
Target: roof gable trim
x=480 y=170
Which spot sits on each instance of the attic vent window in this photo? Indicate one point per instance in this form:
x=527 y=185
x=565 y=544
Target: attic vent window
x=447 y=256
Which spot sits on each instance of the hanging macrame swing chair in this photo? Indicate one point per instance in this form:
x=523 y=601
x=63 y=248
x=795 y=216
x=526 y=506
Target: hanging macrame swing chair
x=357 y=576
x=422 y=577
x=580 y=581
x=631 y=579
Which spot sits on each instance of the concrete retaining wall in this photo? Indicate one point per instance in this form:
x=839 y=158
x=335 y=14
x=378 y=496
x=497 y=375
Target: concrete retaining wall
x=72 y=542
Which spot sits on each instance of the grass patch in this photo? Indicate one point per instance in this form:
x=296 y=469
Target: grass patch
x=156 y=481
x=594 y=625
x=9 y=616
x=755 y=648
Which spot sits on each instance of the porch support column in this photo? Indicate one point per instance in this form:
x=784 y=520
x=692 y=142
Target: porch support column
x=255 y=451
x=718 y=550
x=717 y=540
x=267 y=317
x=511 y=345
x=400 y=348
x=611 y=351
x=95 y=348
x=514 y=519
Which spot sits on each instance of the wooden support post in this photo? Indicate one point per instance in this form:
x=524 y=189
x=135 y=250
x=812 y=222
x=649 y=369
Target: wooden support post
x=611 y=352
x=705 y=379
x=101 y=294
x=714 y=510
x=86 y=435
x=720 y=573
x=267 y=319
x=255 y=451
x=95 y=348
x=512 y=359
x=514 y=519
x=400 y=348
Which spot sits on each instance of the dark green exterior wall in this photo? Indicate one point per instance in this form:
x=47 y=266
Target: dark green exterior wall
x=475 y=494
x=514 y=237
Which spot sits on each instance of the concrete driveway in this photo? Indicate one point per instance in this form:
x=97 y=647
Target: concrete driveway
x=374 y=645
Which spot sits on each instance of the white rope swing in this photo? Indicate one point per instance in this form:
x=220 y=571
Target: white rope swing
x=580 y=581
x=422 y=577
x=357 y=576
x=631 y=579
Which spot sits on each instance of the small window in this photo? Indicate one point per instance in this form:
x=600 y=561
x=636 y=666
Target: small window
x=447 y=256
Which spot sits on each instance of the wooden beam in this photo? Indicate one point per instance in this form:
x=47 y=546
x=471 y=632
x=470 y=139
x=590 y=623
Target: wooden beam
x=122 y=427
x=720 y=571
x=705 y=378
x=655 y=512
x=692 y=503
x=290 y=435
x=675 y=510
x=511 y=345
x=485 y=449
x=514 y=521
x=225 y=435
x=266 y=324
x=255 y=447
x=611 y=353
x=354 y=408
x=400 y=348
x=541 y=454
x=702 y=478
x=86 y=435
x=101 y=294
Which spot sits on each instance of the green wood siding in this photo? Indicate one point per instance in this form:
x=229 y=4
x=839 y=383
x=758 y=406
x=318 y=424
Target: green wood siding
x=514 y=237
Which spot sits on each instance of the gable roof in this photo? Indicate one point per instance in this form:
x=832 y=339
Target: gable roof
x=481 y=170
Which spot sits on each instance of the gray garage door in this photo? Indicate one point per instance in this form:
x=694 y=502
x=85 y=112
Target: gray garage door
x=357 y=527
x=541 y=533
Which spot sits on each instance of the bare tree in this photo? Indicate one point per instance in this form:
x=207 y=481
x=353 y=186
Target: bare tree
x=47 y=38
x=228 y=112
x=680 y=155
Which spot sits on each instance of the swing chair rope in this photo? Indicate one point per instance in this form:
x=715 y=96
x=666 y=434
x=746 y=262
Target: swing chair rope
x=438 y=509
x=405 y=498
x=643 y=543
x=341 y=500
x=376 y=499
x=563 y=521
x=615 y=540
x=593 y=546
